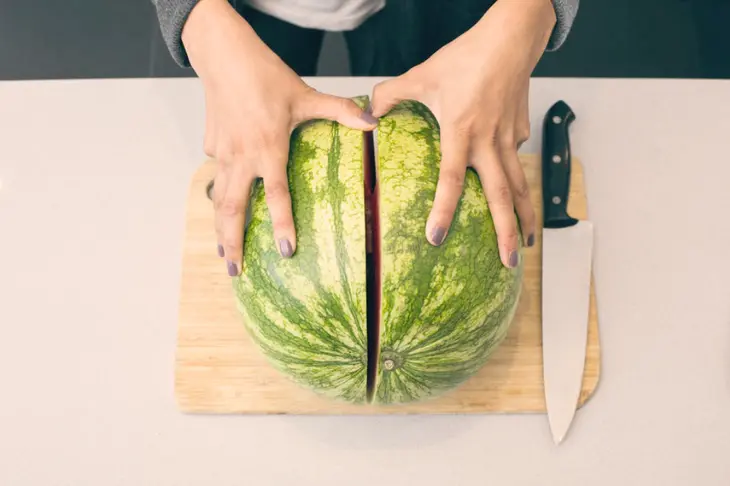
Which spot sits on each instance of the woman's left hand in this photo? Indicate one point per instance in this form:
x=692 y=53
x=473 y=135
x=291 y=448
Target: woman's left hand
x=477 y=88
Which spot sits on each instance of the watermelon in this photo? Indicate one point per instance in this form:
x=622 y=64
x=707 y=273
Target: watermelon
x=367 y=311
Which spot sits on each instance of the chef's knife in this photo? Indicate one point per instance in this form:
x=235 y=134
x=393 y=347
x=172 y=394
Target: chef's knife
x=566 y=277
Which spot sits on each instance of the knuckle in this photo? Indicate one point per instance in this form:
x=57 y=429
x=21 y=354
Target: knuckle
x=507 y=139
x=456 y=138
x=501 y=196
x=232 y=245
x=378 y=93
x=522 y=190
x=503 y=193
x=463 y=128
x=276 y=191
x=489 y=129
x=231 y=240
x=346 y=105
x=225 y=151
x=381 y=96
x=305 y=94
x=507 y=231
x=419 y=82
x=282 y=223
x=259 y=140
x=230 y=207
x=523 y=132
x=491 y=139
x=209 y=147
x=421 y=85
x=256 y=138
x=509 y=235
x=380 y=89
x=452 y=179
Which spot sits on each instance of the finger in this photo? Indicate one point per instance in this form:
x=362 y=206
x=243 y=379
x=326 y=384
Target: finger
x=452 y=171
x=499 y=198
x=522 y=125
x=278 y=200
x=389 y=93
x=220 y=182
x=232 y=213
x=210 y=137
x=520 y=192
x=316 y=105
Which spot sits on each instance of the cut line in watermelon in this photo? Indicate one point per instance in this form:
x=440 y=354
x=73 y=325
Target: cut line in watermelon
x=372 y=218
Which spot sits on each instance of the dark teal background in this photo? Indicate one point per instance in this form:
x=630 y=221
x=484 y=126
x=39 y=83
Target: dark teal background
x=52 y=39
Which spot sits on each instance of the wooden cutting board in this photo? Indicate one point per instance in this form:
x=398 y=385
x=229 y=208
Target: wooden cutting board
x=218 y=369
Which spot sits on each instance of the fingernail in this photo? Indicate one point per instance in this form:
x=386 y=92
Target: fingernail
x=513 y=256
x=232 y=269
x=531 y=240
x=285 y=248
x=220 y=251
x=365 y=115
x=437 y=236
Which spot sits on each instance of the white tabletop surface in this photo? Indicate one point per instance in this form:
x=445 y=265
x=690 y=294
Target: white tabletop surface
x=93 y=179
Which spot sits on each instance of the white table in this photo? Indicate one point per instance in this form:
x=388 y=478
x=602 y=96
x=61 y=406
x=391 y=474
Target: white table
x=94 y=177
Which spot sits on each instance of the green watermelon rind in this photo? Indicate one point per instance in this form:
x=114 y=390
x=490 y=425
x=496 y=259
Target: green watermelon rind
x=444 y=310
x=308 y=313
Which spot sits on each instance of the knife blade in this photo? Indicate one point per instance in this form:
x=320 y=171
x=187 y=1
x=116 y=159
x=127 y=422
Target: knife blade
x=567 y=252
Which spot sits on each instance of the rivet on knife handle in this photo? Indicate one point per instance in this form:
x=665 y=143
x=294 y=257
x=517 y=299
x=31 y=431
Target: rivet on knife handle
x=556 y=166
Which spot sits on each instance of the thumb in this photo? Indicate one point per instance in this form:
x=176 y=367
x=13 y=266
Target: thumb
x=389 y=93
x=316 y=105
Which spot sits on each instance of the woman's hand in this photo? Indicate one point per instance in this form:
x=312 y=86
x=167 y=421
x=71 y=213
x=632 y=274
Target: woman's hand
x=477 y=87
x=253 y=103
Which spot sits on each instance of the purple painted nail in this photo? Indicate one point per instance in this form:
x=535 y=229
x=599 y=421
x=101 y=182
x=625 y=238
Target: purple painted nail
x=437 y=236
x=531 y=240
x=221 y=253
x=285 y=248
x=513 y=256
x=232 y=269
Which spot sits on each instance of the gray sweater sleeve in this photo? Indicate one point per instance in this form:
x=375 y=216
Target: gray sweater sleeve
x=172 y=15
x=565 y=11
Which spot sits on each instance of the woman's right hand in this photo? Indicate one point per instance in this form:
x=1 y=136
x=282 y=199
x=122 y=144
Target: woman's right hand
x=253 y=103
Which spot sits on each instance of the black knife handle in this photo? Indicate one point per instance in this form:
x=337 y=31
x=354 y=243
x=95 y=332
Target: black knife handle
x=556 y=166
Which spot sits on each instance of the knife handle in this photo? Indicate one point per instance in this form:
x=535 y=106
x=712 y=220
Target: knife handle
x=556 y=166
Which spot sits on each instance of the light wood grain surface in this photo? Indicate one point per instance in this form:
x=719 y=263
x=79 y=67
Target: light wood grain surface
x=220 y=370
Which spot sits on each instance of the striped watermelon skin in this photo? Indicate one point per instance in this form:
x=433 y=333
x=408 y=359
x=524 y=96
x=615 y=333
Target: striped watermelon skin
x=308 y=313
x=444 y=309
x=441 y=311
